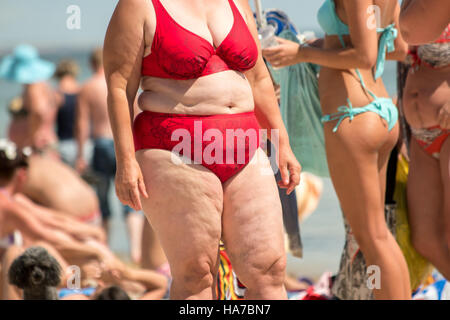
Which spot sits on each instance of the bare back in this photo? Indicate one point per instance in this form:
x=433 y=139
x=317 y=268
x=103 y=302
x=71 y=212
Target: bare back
x=55 y=185
x=40 y=100
x=220 y=93
x=94 y=95
x=338 y=85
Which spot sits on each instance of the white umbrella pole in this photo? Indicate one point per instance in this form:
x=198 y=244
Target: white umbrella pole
x=259 y=14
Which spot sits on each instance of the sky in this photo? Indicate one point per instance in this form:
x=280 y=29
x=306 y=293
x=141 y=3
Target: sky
x=43 y=23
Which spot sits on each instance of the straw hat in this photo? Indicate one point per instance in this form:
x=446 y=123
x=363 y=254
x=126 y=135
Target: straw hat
x=24 y=66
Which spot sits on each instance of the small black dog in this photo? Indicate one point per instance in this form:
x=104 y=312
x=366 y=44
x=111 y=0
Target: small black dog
x=37 y=273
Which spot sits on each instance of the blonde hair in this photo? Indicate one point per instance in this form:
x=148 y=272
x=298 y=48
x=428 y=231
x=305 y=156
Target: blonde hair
x=16 y=107
x=67 y=68
x=97 y=58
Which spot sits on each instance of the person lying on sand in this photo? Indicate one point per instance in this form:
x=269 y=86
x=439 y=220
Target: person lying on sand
x=57 y=186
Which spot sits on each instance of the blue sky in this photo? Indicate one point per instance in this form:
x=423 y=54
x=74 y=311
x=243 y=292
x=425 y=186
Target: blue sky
x=43 y=22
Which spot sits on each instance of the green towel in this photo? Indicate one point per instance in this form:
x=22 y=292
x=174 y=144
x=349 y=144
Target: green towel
x=301 y=112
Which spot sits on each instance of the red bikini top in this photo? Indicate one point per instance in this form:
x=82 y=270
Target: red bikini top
x=445 y=36
x=178 y=53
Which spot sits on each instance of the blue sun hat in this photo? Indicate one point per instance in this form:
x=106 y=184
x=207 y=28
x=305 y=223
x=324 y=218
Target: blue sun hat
x=24 y=66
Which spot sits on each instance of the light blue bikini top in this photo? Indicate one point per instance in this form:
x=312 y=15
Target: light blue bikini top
x=333 y=25
x=329 y=20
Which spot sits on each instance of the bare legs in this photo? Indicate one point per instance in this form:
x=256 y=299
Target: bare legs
x=185 y=208
x=153 y=256
x=135 y=224
x=429 y=205
x=253 y=232
x=357 y=156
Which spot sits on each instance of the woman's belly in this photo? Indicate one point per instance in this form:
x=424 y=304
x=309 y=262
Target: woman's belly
x=219 y=93
x=426 y=92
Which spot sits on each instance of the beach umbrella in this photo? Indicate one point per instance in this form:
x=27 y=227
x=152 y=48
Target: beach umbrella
x=259 y=14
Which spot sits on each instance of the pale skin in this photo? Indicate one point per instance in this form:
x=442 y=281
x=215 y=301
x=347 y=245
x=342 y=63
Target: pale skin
x=358 y=152
x=423 y=21
x=426 y=103
x=187 y=205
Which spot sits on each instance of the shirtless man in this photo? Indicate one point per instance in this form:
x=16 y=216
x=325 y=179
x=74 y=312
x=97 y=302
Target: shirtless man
x=55 y=185
x=92 y=108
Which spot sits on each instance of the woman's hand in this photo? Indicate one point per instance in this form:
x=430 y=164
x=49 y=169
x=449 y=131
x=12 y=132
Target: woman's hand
x=285 y=54
x=114 y=271
x=290 y=169
x=81 y=165
x=130 y=184
x=444 y=116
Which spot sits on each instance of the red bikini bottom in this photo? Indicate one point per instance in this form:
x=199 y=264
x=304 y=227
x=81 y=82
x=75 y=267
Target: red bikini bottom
x=431 y=139
x=223 y=143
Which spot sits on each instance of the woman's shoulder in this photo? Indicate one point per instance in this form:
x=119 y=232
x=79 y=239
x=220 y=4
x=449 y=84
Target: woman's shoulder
x=133 y=8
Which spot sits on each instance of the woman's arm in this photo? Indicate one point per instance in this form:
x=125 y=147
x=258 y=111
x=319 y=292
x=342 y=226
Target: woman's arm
x=401 y=47
x=59 y=221
x=267 y=110
x=123 y=52
x=19 y=219
x=155 y=284
x=363 y=53
x=116 y=271
x=82 y=128
x=423 y=21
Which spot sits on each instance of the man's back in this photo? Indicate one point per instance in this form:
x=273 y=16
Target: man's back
x=59 y=188
x=93 y=97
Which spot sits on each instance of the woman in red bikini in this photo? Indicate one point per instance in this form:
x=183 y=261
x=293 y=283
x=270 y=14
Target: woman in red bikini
x=204 y=82
x=427 y=110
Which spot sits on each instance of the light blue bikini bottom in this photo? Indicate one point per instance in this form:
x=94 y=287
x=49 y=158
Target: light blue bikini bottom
x=384 y=107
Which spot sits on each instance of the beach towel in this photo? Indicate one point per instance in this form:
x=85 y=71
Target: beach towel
x=419 y=267
x=228 y=286
x=301 y=112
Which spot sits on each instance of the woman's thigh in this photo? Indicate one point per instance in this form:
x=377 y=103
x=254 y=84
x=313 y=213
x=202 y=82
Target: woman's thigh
x=424 y=190
x=445 y=174
x=353 y=154
x=383 y=158
x=184 y=207
x=252 y=218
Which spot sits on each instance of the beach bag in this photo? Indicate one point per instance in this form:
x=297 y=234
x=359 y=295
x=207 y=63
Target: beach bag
x=419 y=267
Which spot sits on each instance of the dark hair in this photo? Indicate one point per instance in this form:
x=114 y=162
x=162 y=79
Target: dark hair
x=11 y=159
x=113 y=293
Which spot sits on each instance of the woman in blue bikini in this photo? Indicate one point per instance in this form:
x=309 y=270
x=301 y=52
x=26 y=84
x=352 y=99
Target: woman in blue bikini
x=360 y=122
